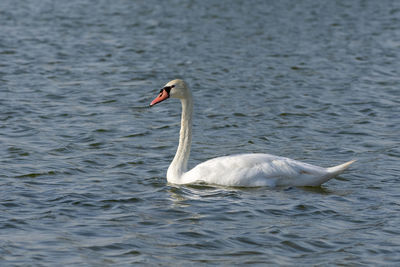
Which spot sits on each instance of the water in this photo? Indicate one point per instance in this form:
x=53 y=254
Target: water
x=83 y=159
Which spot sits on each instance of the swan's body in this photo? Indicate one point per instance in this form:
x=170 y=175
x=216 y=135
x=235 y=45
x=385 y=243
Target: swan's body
x=238 y=170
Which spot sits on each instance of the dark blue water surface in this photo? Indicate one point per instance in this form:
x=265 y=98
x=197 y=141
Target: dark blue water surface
x=83 y=160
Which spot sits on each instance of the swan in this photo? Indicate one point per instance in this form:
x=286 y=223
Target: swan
x=242 y=170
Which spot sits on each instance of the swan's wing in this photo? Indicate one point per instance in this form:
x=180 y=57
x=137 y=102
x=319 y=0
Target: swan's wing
x=255 y=170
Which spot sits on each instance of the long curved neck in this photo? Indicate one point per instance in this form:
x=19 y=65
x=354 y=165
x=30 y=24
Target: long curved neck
x=179 y=164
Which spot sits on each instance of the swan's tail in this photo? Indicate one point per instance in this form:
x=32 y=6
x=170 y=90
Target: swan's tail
x=333 y=171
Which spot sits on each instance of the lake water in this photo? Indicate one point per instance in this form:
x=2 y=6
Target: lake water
x=83 y=158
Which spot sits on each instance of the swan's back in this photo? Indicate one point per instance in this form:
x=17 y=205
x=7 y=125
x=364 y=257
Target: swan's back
x=258 y=170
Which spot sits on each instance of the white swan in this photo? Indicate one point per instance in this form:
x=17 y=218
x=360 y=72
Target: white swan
x=238 y=170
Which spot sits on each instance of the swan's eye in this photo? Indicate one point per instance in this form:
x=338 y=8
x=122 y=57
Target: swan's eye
x=167 y=88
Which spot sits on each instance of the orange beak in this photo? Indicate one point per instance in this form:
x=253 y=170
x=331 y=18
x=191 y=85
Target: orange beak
x=161 y=97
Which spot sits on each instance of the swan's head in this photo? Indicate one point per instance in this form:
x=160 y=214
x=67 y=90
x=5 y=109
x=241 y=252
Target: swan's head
x=175 y=89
